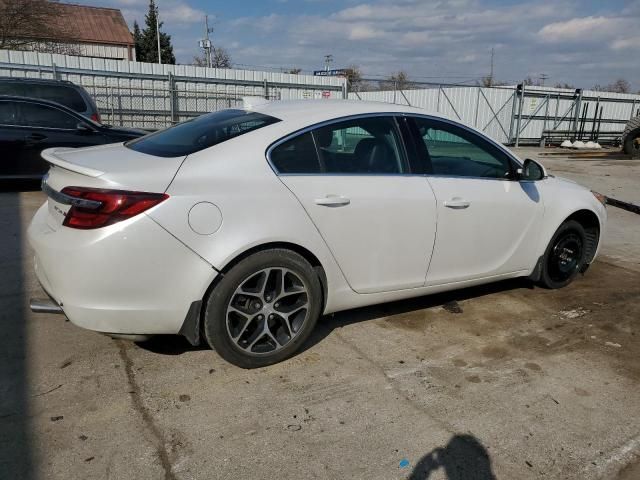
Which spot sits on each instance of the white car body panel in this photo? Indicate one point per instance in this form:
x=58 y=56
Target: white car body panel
x=485 y=228
x=141 y=275
x=120 y=278
x=379 y=208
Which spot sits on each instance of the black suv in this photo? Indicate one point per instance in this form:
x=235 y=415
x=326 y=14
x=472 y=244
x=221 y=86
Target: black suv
x=29 y=125
x=60 y=91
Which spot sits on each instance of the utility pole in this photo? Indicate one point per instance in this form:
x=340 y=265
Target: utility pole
x=491 y=74
x=205 y=43
x=327 y=61
x=158 y=34
x=543 y=77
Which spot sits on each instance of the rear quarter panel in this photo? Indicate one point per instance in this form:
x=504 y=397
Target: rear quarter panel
x=256 y=207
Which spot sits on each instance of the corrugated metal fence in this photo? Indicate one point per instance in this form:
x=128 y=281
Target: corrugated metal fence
x=153 y=96
x=513 y=115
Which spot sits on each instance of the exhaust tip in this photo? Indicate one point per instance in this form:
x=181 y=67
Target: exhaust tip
x=44 y=305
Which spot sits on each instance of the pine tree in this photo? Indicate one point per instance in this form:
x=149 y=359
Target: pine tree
x=147 y=46
x=137 y=41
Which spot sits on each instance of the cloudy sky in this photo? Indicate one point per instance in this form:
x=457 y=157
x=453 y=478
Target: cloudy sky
x=579 y=42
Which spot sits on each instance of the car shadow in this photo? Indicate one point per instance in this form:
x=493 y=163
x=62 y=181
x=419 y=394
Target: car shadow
x=17 y=439
x=447 y=300
x=462 y=458
x=178 y=345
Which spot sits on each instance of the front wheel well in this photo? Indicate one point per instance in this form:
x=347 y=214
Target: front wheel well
x=591 y=225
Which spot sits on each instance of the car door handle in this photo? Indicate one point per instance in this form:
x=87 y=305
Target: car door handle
x=35 y=137
x=333 y=201
x=456 y=203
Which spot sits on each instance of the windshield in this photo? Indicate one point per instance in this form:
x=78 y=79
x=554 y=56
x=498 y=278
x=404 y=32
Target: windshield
x=200 y=133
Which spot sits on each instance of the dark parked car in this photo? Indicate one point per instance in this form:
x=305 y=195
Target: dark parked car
x=60 y=91
x=28 y=126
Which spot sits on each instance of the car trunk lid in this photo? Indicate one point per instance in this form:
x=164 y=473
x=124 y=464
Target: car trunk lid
x=107 y=167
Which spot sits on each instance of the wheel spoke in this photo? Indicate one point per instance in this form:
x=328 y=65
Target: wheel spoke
x=267 y=310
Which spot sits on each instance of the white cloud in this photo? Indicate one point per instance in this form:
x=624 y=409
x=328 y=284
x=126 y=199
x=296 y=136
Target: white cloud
x=580 y=29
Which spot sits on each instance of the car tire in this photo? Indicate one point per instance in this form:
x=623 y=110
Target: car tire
x=631 y=143
x=565 y=255
x=263 y=309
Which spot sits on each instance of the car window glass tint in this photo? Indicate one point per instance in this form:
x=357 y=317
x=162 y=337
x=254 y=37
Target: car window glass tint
x=61 y=94
x=33 y=115
x=8 y=113
x=297 y=155
x=12 y=88
x=360 y=146
x=200 y=133
x=454 y=151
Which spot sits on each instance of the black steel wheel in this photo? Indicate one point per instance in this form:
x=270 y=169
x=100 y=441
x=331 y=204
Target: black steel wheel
x=565 y=255
x=263 y=309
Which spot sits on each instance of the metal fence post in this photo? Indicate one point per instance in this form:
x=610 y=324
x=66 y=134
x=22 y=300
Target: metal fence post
x=520 y=106
x=54 y=71
x=514 y=99
x=172 y=98
x=544 y=124
x=576 y=117
x=475 y=122
x=266 y=89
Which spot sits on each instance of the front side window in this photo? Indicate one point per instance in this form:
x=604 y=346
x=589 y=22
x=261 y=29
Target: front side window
x=44 y=116
x=369 y=145
x=199 y=133
x=454 y=151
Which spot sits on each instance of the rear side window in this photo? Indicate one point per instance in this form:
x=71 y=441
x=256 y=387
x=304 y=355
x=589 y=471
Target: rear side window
x=63 y=95
x=200 y=133
x=44 y=116
x=297 y=155
x=361 y=146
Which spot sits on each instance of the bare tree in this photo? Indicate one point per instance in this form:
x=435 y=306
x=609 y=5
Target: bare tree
x=220 y=58
x=355 y=82
x=619 y=86
x=294 y=71
x=39 y=25
x=565 y=85
x=397 y=81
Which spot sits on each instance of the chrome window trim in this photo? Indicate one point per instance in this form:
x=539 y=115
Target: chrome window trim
x=324 y=123
x=309 y=128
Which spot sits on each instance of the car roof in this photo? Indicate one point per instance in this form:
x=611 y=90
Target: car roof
x=54 y=81
x=315 y=111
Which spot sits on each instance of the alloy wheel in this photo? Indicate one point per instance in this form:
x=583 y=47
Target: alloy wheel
x=267 y=310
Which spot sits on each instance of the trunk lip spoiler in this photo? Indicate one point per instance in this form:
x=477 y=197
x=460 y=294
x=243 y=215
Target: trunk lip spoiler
x=52 y=157
x=65 y=199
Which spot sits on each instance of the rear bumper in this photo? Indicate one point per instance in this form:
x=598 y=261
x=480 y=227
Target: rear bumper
x=129 y=278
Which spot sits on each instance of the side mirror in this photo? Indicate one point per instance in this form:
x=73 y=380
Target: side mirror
x=84 y=128
x=531 y=171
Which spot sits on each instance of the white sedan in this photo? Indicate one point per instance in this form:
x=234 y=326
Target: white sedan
x=242 y=227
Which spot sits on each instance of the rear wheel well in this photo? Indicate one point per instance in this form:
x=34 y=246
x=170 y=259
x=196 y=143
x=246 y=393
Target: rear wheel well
x=306 y=254
x=591 y=225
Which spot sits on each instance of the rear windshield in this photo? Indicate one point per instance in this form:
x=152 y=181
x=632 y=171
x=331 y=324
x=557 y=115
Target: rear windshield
x=200 y=133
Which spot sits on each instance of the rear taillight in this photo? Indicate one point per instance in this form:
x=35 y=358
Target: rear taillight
x=106 y=207
x=95 y=117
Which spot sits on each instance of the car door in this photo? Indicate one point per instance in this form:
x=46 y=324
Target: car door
x=487 y=219
x=11 y=140
x=46 y=126
x=353 y=179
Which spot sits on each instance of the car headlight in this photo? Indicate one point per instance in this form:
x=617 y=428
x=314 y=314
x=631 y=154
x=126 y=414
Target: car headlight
x=601 y=198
